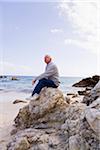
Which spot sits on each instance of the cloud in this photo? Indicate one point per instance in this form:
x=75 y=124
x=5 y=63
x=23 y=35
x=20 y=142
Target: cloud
x=55 y=30
x=13 y=69
x=84 y=17
x=88 y=45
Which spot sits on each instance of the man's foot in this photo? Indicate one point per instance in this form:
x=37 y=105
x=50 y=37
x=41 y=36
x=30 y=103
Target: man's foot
x=34 y=97
x=29 y=98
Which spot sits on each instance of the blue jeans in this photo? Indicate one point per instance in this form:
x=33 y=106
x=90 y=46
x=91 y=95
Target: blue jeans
x=43 y=83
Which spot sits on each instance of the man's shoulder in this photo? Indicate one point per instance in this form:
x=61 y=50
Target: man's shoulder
x=52 y=64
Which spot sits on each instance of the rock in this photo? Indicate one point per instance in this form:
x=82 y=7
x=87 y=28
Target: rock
x=50 y=123
x=75 y=95
x=1 y=89
x=88 y=89
x=48 y=111
x=23 y=119
x=71 y=94
x=82 y=124
x=14 y=78
x=93 y=95
x=83 y=92
x=88 y=82
x=77 y=143
x=92 y=114
x=95 y=104
x=2 y=76
x=96 y=78
x=67 y=99
x=74 y=143
x=73 y=114
x=93 y=118
x=19 y=101
x=33 y=139
x=21 y=144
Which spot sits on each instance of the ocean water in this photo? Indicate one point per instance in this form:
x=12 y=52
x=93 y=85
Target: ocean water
x=24 y=84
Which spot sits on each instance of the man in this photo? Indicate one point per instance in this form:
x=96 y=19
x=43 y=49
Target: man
x=50 y=78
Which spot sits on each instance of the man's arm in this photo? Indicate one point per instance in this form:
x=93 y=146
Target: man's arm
x=49 y=72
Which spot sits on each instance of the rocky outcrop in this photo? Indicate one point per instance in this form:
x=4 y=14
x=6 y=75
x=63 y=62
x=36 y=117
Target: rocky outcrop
x=48 y=111
x=85 y=92
x=33 y=139
x=93 y=116
x=82 y=128
x=49 y=123
x=93 y=95
x=88 y=82
x=14 y=78
x=2 y=76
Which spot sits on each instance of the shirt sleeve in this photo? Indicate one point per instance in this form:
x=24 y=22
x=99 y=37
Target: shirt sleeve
x=49 y=72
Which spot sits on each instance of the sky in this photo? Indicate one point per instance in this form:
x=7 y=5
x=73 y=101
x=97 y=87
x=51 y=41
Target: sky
x=68 y=30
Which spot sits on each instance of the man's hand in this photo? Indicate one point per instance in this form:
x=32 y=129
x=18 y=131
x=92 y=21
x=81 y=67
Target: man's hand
x=33 y=81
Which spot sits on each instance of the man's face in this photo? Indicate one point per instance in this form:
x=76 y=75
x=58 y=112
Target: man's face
x=47 y=59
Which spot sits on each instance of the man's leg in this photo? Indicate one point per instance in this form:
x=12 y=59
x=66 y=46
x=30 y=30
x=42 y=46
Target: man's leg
x=43 y=83
x=35 y=84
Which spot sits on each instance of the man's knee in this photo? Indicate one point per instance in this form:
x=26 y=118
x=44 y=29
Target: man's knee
x=42 y=80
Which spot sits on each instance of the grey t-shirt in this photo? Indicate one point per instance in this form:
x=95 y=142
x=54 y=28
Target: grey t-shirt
x=51 y=73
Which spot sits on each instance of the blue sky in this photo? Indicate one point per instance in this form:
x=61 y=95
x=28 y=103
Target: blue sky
x=29 y=30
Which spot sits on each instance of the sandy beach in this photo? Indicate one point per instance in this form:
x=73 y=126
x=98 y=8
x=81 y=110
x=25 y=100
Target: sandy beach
x=8 y=112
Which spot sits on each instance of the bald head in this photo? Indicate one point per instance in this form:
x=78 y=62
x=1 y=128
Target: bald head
x=47 y=59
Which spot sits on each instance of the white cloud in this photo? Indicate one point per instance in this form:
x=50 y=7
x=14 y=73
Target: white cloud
x=13 y=69
x=84 y=17
x=55 y=30
x=86 y=44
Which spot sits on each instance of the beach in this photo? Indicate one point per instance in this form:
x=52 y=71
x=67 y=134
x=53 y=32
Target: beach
x=8 y=112
x=72 y=106
x=20 y=89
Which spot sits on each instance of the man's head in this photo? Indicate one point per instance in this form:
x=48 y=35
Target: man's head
x=47 y=59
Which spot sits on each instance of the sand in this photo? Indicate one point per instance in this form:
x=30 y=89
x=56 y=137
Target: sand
x=8 y=112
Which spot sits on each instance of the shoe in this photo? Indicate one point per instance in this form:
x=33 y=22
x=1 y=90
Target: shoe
x=34 y=97
x=29 y=98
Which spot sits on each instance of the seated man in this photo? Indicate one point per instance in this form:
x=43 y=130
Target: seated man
x=50 y=78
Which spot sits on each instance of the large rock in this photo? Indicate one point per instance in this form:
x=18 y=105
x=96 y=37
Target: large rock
x=48 y=111
x=54 y=125
x=92 y=114
x=2 y=76
x=85 y=92
x=88 y=82
x=14 y=78
x=93 y=95
x=33 y=139
x=93 y=118
x=82 y=126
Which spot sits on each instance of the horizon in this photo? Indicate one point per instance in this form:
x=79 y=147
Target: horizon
x=59 y=76
x=68 y=31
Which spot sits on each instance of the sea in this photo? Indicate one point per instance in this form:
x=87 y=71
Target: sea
x=24 y=84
